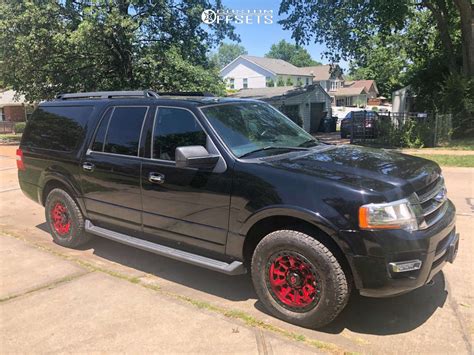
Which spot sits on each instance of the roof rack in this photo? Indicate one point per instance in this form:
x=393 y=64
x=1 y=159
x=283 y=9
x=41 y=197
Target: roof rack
x=108 y=95
x=186 y=93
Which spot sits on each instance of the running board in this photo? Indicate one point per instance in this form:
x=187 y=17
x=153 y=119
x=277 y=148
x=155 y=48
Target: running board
x=234 y=268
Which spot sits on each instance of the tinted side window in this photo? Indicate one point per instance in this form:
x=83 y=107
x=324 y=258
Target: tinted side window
x=57 y=127
x=175 y=128
x=123 y=133
x=99 y=139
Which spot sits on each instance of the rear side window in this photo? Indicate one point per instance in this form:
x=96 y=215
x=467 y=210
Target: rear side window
x=175 y=128
x=56 y=127
x=121 y=131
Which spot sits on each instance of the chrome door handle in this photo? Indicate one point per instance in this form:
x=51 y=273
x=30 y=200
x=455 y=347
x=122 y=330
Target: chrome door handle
x=156 y=178
x=88 y=166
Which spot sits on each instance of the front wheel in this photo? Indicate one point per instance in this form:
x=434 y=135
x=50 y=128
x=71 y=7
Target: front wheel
x=298 y=279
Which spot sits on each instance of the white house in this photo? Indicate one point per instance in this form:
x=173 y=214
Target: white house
x=249 y=72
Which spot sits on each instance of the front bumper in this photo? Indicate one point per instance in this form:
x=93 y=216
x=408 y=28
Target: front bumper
x=370 y=265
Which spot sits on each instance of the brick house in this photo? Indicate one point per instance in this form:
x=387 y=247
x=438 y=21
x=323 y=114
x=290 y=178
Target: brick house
x=13 y=109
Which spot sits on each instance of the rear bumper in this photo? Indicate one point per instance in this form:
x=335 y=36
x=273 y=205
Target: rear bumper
x=434 y=247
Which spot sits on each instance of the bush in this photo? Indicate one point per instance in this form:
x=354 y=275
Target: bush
x=19 y=127
x=409 y=133
x=270 y=83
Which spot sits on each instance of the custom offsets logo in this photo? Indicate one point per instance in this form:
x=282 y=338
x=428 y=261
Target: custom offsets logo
x=238 y=17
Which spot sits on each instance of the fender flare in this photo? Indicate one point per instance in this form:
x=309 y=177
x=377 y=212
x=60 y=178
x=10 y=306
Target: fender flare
x=311 y=217
x=64 y=178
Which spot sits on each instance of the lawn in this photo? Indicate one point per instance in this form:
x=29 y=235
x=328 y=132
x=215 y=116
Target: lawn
x=459 y=144
x=450 y=160
x=10 y=138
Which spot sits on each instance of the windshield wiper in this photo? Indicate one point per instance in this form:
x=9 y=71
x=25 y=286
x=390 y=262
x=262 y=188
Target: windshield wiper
x=310 y=143
x=270 y=147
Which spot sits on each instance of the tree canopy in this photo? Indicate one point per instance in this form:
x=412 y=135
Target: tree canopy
x=292 y=53
x=226 y=53
x=54 y=46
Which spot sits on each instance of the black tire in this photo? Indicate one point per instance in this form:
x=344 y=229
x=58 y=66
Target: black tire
x=331 y=284
x=71 y=232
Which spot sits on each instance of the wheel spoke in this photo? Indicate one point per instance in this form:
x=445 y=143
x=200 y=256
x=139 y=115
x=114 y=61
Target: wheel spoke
x=293 y=280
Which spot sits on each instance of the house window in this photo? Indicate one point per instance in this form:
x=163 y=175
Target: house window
x=2 y=118
x=307 y=81
x=246 y=84
x=333 y=85
x=232 y=83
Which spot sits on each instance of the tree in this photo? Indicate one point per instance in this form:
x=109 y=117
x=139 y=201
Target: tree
x=53 y=46
x=291 y=53
x=226 y=54
x=289 y=82
x=348 y=27
x=280 y=81
x=382 y=62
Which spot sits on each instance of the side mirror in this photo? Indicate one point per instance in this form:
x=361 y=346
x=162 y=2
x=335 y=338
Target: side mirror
x=195 y=156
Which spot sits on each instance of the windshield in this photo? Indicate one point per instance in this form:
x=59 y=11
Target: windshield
x=253 y=127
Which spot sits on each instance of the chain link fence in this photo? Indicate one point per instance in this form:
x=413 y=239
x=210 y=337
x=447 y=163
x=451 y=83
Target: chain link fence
x=410 y=129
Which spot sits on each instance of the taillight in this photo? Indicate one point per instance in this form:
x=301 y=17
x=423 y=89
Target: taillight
x=20 y=164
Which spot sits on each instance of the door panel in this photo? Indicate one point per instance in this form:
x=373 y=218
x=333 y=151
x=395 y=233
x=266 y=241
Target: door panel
x=110 y=171
x=112 y=191
x=189 y=206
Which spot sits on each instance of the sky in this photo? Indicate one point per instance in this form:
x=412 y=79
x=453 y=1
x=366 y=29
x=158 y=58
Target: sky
x=258 y=38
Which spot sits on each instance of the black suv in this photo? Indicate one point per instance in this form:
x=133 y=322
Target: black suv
x=232 y=185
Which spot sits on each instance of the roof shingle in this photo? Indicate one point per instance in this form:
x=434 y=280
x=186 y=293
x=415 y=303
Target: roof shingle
x=277 y=66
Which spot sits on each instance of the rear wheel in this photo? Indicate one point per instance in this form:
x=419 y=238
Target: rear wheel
x=65 y=219
x=298 y=279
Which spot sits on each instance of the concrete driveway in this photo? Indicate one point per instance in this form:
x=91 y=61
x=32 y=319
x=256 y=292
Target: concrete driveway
x=110 y=297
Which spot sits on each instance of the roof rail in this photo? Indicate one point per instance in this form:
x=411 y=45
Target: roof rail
x=186 y=93
x=107 y=95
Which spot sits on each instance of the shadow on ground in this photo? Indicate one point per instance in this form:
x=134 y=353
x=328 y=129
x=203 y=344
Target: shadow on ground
x=383 y=316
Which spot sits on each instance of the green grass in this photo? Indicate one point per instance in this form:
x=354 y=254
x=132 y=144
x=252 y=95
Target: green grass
x=459 y=144
x=450 y=160
x=10 y=138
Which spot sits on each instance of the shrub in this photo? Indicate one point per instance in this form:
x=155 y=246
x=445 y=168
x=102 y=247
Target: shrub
x=280 y=81
x=270 y=83
x=289 y=82
x=19 y=127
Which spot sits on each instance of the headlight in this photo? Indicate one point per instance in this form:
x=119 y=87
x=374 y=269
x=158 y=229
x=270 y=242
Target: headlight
x=401 y=214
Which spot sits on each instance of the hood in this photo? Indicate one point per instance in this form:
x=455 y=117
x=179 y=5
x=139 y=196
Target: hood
x=366 y=168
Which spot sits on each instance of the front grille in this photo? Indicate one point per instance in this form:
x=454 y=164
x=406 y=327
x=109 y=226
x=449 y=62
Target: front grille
x=433 y=202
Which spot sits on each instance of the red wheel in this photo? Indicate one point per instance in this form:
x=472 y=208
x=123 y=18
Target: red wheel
x=60 y=218
x=298 y=279
x=65 y=219
x=293 y=281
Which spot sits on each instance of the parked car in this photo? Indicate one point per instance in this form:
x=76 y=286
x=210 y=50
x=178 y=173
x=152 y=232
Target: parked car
x=364 y=127
x=233 y=185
